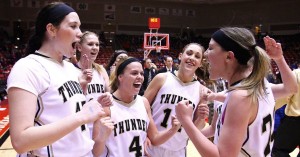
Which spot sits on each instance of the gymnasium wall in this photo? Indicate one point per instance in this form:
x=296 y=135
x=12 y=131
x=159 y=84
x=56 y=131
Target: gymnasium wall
x=130 y=16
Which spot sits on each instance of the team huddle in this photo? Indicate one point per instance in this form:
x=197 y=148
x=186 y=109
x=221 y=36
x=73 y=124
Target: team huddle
x=59 y=108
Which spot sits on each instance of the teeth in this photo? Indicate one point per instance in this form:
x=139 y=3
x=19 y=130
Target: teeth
x=190 y=64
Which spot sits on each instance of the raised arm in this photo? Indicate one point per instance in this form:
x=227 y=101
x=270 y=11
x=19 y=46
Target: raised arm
x=289 y=85
x=86 y=75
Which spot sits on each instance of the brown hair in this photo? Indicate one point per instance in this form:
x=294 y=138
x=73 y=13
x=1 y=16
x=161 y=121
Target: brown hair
x=260 y=62
x=97 y=66
x=114 y=83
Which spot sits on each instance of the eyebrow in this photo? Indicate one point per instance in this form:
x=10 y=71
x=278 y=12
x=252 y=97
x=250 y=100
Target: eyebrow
x=75 y=22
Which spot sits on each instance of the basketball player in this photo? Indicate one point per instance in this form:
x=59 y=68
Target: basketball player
x=130 y=116
x=98 y=88
x=48 y=110
x=245 y=123
x=166 y=90
x=110 y=67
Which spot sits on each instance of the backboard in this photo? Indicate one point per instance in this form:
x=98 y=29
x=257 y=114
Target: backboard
x=155 y=41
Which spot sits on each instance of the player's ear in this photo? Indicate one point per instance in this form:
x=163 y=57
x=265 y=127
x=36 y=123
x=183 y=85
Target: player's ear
x=180 y=55
x=229 y=56
x=51 y=30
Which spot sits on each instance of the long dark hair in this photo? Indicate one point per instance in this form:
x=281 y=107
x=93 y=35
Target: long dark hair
x=44 y=17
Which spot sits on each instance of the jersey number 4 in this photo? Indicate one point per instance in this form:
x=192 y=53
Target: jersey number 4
x=136 y=147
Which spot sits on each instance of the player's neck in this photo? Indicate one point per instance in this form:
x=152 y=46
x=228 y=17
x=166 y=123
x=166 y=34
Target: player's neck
x=184 y=77
x=123 y=96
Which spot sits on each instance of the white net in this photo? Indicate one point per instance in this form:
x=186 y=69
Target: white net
x=158 y=49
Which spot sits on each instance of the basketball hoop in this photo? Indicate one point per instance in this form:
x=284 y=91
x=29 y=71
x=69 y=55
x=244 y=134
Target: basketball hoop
x=154 y=40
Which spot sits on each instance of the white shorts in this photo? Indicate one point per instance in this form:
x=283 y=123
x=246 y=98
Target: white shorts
x=156 y=151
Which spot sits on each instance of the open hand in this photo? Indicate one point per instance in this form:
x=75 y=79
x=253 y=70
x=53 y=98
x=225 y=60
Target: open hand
x=273 y=49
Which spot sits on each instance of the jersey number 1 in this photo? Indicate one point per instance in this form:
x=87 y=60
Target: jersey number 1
x=164 y=123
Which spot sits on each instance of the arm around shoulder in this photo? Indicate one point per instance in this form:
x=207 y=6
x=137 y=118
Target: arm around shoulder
x=289 y=85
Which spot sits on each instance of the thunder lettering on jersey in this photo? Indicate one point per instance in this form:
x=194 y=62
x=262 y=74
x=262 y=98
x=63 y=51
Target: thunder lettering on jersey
x=59 y=96
x=97 y=85
x=95 y=88
x=130 y=129
x=163 y=107
x=130 y=125
x=69 y=89
x=173 y=99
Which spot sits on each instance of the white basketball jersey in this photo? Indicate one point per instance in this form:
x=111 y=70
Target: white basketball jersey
x=130 y=132
x=62 y=97
x=94 y=90
x=258 y=141
x=163 y=107
x=96 y=87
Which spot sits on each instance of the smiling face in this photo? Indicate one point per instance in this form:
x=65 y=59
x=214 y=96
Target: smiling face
x=132 y=78
x=68 y=33
x=216 y=58
x=191 y=58
x=89 y=46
